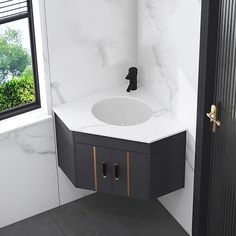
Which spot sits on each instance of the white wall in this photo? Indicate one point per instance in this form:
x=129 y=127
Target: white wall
x=28 y=163
x=92 y=43
x=168 y=57
x=28 y=172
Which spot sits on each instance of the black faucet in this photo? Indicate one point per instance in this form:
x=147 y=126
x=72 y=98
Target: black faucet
x=132 y=77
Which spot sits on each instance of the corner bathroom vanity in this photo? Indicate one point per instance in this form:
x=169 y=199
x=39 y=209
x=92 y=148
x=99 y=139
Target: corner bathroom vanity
x=139 y=157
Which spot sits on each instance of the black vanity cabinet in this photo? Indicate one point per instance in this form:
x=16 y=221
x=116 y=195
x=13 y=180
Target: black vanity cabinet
x=121 y=167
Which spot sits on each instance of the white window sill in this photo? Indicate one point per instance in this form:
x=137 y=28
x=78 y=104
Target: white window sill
x=23 y=120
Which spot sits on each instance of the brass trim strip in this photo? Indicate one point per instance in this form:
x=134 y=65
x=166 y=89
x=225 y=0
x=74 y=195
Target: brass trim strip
x=95 y=168
x=128 y=173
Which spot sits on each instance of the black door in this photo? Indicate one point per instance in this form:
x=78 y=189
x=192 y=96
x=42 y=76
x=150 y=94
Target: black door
x=222 y=196
x=215 y=178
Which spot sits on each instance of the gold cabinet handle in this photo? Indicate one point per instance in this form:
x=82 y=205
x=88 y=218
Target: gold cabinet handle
x=104 y=170
x=116 y=171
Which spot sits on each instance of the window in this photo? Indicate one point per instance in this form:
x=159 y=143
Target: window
x=19 y=87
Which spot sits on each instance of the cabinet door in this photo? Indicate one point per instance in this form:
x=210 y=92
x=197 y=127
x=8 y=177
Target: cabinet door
x=84 y=166
x=119 y=172
x=138 y=165
x=104 y=170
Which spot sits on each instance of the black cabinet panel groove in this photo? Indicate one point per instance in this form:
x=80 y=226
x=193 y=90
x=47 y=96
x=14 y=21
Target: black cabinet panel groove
x=139 y=176
x=168 y=153
x=167 y=177
x=167 y=188
x=65 y=150
x=66 y=146
x=68 y=166
x=121 y=167
x=169 y=164
x=84 y=166
x=168 y=142
x=60 y=126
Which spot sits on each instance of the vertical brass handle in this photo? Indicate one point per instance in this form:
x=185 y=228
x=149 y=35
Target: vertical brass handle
x=212 y=115
x=104 y=169
x=116 y=172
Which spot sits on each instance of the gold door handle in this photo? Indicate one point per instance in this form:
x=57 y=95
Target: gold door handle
x=217 y=122
x=213 y=118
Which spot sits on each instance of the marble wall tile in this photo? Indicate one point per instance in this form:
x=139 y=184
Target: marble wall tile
x=92 y=44
x=168 y=57
x=28 y=165
x=28 y=172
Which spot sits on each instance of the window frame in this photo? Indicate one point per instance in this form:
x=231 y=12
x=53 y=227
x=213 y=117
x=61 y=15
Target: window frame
x=37 y=104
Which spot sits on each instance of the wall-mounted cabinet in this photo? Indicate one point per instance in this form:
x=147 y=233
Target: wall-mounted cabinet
x=121 y=167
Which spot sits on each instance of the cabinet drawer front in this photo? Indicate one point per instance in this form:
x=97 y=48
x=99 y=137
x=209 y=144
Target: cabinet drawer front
x=104 y=173
x=119 y=172
x=85 y=166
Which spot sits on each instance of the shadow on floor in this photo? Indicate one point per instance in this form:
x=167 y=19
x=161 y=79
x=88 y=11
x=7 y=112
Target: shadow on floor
x=100 y=215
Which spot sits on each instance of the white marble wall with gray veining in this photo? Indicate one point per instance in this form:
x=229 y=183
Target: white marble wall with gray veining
x=168 y=57
x=92 y=43
x=28 y=172
x=28 y=163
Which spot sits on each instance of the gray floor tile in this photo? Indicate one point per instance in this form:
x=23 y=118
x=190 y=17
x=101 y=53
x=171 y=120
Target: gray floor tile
x=40 y=225
x=107 y=215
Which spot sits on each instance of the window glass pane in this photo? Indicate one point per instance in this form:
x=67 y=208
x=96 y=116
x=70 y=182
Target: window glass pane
x=16 y=73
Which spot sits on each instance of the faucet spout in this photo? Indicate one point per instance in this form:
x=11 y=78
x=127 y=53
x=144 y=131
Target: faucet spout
x=132 y=77
x=129 y=88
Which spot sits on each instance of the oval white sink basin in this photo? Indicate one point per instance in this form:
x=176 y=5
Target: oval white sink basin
x=122 y=111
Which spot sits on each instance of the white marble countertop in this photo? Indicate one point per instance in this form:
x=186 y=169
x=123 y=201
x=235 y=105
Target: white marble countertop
x=77 y=116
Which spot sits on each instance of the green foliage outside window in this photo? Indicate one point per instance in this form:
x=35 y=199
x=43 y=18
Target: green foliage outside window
x=16 y=76
x=17 y=92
